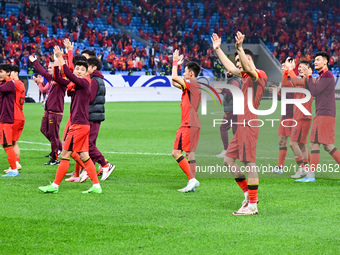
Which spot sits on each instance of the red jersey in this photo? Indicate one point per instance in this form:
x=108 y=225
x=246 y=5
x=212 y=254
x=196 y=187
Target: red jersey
x=258 y=84
x=191 y=99
x=298 y=83
x=19 y=100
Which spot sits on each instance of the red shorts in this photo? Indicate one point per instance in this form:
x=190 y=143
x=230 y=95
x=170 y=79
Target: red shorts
x=6 y=134
x=287 y=129
x=187 y=139
x=77 y=138
x=323 y=130
x=67 y=126
x=301 y=130
x=17 y=128
x=243 y=144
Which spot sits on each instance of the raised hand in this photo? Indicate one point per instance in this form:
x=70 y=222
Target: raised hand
x=32 y=58
x=216 y=41
x=289 y=64
x=177 y=58
x=57 y=52
x=68 y=45
x=239 y=38
x=306 y=71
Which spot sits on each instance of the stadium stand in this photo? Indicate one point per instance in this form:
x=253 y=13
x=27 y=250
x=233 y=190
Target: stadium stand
x=288 y=28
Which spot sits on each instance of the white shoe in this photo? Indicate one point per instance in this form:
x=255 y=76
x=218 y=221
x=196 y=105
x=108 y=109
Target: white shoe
x=222 y=154
x=243 y=207
x=107 y=171
x=83 y=176
x=300 y=173
x=278 y=170
x=247 y=211
x=18 y=165
x=10 y=169
x=192 y=184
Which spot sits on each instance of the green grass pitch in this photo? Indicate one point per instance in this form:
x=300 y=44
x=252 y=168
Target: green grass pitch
x=141 y=211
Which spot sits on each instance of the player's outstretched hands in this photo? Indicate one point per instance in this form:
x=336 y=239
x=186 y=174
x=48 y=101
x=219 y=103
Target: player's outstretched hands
x=58 y=59
x=35 y=79
x=32 y=58
x=177 y=58
x=57 y=52
x=38 y=79
x=216 y=41
x=239 y=38
x=289 y=64
x=306 y=71
x=68 y=45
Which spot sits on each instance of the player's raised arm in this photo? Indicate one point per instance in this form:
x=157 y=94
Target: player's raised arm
x=247 y=66
x=223 y=58
x=177 y=81
x=69 y=53
x=39 y=68
x=58 y=63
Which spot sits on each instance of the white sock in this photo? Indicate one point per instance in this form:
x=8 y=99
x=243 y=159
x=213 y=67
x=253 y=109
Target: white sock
x=14 y=170
x=252 y=206
x=246 y=195
x=192 y=179
x=56 y=186
x=97 y=185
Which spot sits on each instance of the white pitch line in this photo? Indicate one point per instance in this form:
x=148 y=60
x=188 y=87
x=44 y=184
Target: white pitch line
x=135 y=153
x=46 y=144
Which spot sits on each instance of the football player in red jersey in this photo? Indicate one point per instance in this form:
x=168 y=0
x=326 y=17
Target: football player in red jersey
x=188 y=134
x=243 y=144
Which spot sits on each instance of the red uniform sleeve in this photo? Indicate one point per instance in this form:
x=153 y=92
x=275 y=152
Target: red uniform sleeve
x=42 y=71
x=70 y=60
x=57 y=77
x=81 y=82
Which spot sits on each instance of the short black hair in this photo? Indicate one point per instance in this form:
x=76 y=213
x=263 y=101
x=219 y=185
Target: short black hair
x=6 y=67
x=15 y=68
x=91 y=53
x=193 y=66
x=81 y=63
x=322 y=54
x=79 y=58
x=95 y=62
x=306 y=62
x=247 y=52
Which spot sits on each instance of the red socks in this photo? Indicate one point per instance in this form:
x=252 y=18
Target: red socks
x=242 y=182
x=193 y=165
x=314 y=159
x=76 y=157
x=335 y=153
x=62 y=170
x=11 y=156
x=252 y=193
x=76 y=169
x=184 y=165
x=91 y=170
x=282 y=156
x=299 y=161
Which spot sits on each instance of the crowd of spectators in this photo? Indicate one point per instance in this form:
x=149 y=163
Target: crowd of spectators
x=289 y=28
